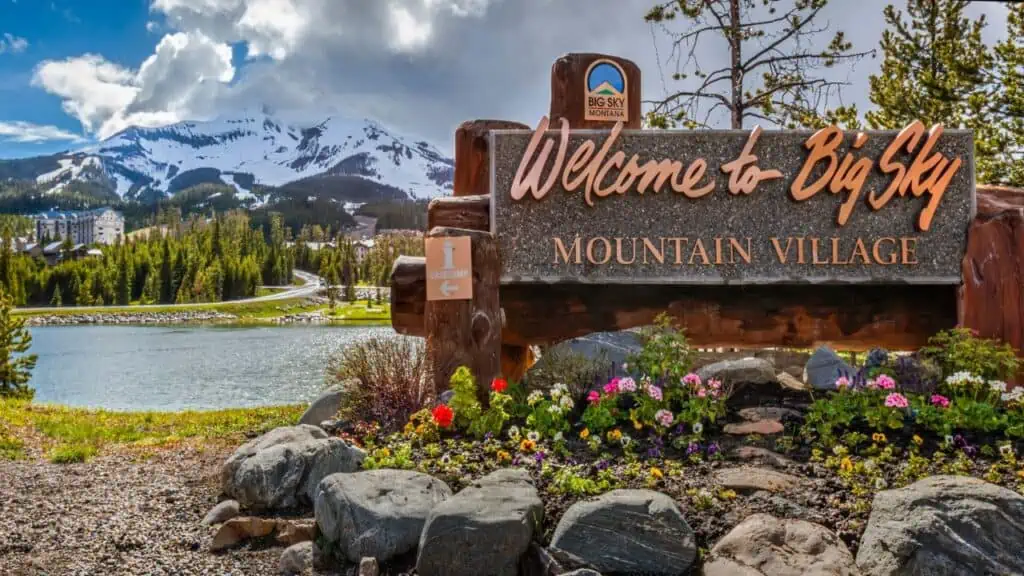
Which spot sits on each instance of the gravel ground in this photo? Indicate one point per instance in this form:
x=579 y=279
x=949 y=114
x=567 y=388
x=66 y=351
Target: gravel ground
x=118 y=514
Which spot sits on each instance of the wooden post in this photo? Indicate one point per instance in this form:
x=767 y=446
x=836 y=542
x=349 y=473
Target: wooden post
x=469 y=212
x=467 y=332
x=568 y=91
x=472 y=155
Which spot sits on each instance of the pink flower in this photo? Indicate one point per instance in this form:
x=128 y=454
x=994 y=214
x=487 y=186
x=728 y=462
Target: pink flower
x=691 y=379
x=885 y=382
x=842 y=382
x=627 y=385
x=654 y=392
x=701 y=392
x=940 y=401
x=664 y=417
x=593 y=397
x=714 y=384
x=896 y=400
x=612 y=387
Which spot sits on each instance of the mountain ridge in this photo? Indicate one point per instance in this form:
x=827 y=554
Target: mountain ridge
x=252 y=151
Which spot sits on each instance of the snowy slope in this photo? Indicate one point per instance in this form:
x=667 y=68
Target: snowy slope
x=254 y=148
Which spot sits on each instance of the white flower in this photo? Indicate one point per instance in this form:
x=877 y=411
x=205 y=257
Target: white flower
x=1006 y=449
x=534 y=397
x=880 y=484
x=555 y=409
x=595 y=439
x=698 y=428
x=997 y=385
x=566 y=403
x=870 y=465
x=445 y=460
x=949 y=439
x=558 y=437
x=513 y=432
x=533 y=436
x=626 y=440
x=558 y=390
x=963 y=377
x=1013 y=395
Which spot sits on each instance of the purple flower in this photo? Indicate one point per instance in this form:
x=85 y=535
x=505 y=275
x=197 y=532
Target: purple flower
x=959 y=441
x=488 y=436
x=539 y=456
x=971 y=451
x=693 y=448
x=653 y=452
x=602 y=465
x=713 y=448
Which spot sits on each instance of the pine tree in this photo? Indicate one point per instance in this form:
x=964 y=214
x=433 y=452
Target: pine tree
x=1004 y=142
x=933 y=65
x=166 y=274
x=124 y=281
x=56 y=301
x=774 y=68
x=15 y=363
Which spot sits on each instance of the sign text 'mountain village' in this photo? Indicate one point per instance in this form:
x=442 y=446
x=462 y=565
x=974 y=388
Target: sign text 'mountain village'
x=732 y=206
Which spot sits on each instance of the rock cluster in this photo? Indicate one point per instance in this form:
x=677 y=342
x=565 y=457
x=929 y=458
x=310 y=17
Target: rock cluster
x=178 y=317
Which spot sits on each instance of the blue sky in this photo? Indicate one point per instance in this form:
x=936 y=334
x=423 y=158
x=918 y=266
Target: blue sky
x=76 y=71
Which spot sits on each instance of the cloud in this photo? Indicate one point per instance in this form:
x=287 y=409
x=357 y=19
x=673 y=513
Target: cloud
x=10 y=43
x=420 y=66
x=27 y=132
x=179 y=81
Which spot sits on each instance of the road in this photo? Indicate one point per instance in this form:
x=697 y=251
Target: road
x=313 y=283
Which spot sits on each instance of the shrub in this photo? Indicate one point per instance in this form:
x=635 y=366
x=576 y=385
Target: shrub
x=960 y=350
x=665 y=353
x=384 y=380
x=578 y=372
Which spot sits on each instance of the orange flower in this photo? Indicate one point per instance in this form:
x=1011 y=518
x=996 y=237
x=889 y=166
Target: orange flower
x=499 y=385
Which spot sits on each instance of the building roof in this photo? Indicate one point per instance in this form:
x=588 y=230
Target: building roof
x=54 y=247
x=94 y=252
x=72 y=214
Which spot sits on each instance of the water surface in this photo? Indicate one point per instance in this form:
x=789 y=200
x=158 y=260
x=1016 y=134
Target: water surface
x=180 y=367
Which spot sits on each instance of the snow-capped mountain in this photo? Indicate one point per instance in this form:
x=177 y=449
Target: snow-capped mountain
x=249 y=150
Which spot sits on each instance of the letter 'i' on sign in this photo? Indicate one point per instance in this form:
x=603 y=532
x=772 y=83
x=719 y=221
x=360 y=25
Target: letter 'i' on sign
x=449 y=268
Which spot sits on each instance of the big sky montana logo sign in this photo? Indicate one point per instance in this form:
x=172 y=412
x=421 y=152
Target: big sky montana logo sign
x=734 y=206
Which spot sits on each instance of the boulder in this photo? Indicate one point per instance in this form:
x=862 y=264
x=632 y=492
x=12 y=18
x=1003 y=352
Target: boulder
x=612 y=347
x=791 y=382
x=295 y=559
x=944 y=526
x=582 y=572
x=323 y=408
x=222 y=512
x=238 y=530
x=762 y=455
x=625 y=531
x=377 y=513
x=484 y=529
x=283 y=468
x=763 y=545
x=369 y=567
x=762 y=427
x=743 y=371
x=752 y=479
x=824 y=367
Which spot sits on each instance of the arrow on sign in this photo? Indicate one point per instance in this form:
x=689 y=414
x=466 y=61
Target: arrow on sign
x=447 y=288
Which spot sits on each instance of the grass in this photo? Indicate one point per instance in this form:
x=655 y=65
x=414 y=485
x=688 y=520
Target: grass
x=358 y=312
x=264 y=291
x=76 y=434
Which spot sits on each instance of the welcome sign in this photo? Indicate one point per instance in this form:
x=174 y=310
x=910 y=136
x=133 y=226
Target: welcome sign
x=725 y=207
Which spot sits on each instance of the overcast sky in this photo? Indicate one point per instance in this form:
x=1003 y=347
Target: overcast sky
x=419 y=66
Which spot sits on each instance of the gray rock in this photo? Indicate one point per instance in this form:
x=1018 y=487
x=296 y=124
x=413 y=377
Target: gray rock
x=614 y=347
x=283 y=468
x=484 y=529
x=445 y=397
x=323 y=408
x=377 y=513
x=582 y=572
x=627 y=531
x=222 y=512
x=944 y=526
x=742 y=371
x=824 y=367
x=369 y=567
x=763 y=545
x=295 y=559
x=752 y=479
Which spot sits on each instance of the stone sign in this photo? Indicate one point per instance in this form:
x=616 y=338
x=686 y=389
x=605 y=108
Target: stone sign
x=732 y=207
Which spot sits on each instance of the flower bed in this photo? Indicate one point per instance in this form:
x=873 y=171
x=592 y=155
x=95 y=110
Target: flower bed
x=894 y=421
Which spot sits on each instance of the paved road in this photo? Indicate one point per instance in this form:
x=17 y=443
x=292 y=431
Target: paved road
x=312 y=285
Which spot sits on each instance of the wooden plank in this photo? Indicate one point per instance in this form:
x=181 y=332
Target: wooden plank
x=472 y=155
x=467 y=212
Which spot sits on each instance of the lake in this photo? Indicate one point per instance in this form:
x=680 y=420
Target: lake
x=181 y=367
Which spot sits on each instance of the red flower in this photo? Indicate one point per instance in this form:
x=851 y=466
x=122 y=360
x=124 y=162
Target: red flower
x=499 y=385
x=443 y=415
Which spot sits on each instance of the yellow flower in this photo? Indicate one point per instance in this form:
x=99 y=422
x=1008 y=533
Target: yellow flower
x=878 y=437
x=503 y=456
x=527 y=445
x=656 y=473
x=614 y=435
x=638 y=425
x=384 y=453
x=421 y=429
x=584 y=434
x=1020 y=473
x=917 y=440
x=846 y=464
x=409 y=428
